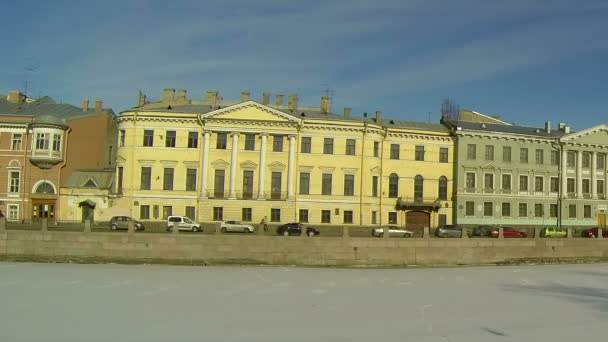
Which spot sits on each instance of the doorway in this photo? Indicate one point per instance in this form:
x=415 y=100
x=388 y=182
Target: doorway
x=601 y=220
x=43 y=209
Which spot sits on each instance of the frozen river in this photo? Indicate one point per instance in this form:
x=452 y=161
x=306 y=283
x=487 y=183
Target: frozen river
x=68 y=302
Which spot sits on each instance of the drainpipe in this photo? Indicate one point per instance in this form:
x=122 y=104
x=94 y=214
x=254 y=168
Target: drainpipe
x=382 y=173
x=296 y=190
x=361 y=175
x=65 y=160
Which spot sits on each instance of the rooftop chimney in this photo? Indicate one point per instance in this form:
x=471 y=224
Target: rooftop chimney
x=181 y=95
x=211 y=97
x=85 y=105
x=378 y=116
x=325 y=104
x=279 y=100
x=347 y=113
x=292 y=102
x=265 y=98
x=245 y=96
x=141 y=101
x=168 y=94
x=548 y=127
x=15 y=96
x=98 y=106
x=567 y=129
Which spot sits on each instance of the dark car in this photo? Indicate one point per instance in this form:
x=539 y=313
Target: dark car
x=295 y=228
x=593 y=233
x=483 y=231
x=448 y=230
x=122 y=222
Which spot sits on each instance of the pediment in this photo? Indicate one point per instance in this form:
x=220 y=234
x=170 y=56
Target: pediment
x=376 y=170
x=220 y=164
x=250 y=111
x=489 y=166
x=90 y=183
x=248 y=164
x=597 y=135
x=277 y=166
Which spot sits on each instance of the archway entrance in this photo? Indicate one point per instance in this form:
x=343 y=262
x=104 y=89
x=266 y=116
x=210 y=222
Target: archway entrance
x=416 y=220
x=88 y=210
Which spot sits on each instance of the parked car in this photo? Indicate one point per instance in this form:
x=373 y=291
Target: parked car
x=593 y=233
x=482 y=231
x=235 y=226
x=448 y=230
x=122 y=222
x=183 y=223
x=394 y=231
x=295 y=228
x=551 y=232
x=508 y=233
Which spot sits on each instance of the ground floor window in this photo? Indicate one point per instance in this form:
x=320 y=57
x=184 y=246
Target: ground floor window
x=191 y=213
x=392 y=217
x=247 y=213
x=552 y=210
x=218 y=213
x=506 y=209
x=572 y=211
x=144 y=212
x=538 y=210
x=275 y=215
x=587 y=211
x=303 y=215
x=13 y=212
x=488 y=208
x=469 y=208
x=443 y=219
x=167 y=211
x=523 y=210
x=325 y=216
x=348 y=216
x=374 y=217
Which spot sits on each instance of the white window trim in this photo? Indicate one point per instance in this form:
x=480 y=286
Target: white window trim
x=8 y=212
x=8 y=185
x=466 y=177
x=543 y=178
x=35 y=186
x=519 y=183
x=493 y=181
x=510 y=182
x=13 y=139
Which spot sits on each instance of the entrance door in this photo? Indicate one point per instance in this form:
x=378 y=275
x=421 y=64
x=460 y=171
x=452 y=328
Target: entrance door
x=416 y=220
x=43 y=209
x=88 y=213
x=601 y=220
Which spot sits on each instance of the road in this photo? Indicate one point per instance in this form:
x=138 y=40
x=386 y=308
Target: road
x=69 y=302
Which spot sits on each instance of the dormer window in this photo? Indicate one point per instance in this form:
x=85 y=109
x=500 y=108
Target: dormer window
x=42 y=141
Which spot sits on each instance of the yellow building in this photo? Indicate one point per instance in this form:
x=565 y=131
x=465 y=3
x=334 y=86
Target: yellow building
x=244 y=160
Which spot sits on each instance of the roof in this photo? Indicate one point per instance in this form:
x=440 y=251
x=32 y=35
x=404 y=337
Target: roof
x=104 y=179
x=45 y=106
x=499 y=128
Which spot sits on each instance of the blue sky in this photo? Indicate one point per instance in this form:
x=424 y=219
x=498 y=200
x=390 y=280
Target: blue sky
x=528 y=61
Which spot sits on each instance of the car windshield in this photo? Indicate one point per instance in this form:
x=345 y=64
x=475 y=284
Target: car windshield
x=187 y=220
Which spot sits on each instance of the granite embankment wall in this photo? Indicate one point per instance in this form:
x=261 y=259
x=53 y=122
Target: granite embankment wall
x=279 y=250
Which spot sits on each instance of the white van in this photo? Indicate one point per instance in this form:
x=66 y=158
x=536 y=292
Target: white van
x=183 y=223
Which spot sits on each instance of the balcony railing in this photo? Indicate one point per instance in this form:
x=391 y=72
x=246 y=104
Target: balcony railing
x=247 y=195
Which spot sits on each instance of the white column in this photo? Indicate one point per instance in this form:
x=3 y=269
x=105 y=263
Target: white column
x=579 y=174
x=205 y=163
x=593 y=176
x=262 y=172
x=235 y=145
x=564 y=174
x=291 y=166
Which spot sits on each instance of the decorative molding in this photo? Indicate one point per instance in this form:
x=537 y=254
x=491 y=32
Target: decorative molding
x=249 y=104
x=169 y=162
x=327 y=168
x=277 y=166
x=376 y=170
x=191 y=163
x=248 y=164
x=220 y=164
x=146 y=162
x=305 y=168
x=350 y=170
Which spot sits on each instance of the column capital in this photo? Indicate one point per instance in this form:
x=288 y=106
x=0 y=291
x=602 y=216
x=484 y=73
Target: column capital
x=291 y=136
x=235 y=133
x=264 y=134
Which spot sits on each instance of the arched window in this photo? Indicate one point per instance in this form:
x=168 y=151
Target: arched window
x=45 y=188
x=393 y=185
x=418 y=188
x=443 y=188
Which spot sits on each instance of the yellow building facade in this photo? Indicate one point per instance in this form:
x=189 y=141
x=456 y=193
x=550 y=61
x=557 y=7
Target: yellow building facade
x=244 y=160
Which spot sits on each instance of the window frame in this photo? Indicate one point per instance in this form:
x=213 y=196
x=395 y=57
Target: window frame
x=328 y=145
x=350 y=148
x=148 y=140
x=170 y=138
x=192 y=139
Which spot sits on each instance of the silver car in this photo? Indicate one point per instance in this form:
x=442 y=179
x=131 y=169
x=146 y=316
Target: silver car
x=449 y=230
x=393 y=231
x=235 y=226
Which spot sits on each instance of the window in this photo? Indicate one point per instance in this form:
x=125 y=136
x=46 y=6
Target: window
x=167 y=211
x=552 y=210
x=470 y=181
x=443 y=188
x=219 y=181
x=506 y=154
x=394 y=151
x=538 y=210
x=275 y=215
x=146 y=178
x=170 y=139
x=601 y=161
x=393 y=186
x=488 y=181
x=17 y=141
x=348 y=216
x=155 y=211
x=572 y=211
x=488 y=208
x=190 y=179
x=418 y=188
x=392 y=217
x=247 y=184
x=168 y=178
x=192 y=140
x=539 y=184
x=275 y=185
x=190 y=212
x=540 y=157
x=442 y=219
x=249 y=142
x=506 y=209
x=506 y=183
x=600 y=186
x=570 y=158
x=469 y=208
x=14 y=180
x=13 y=212
x=304 y=183
x=376 y=149
x=523 y=155
x=218 y=213
x=328 y=146
x=222 y=141
x=56 y=142
x=246 y=214
x=586 y=159
x=586 y=187
x=350 y=147
x=554 y=157
x=119 y=179
x=277 y=143
x=471 y=151
x=443 y=154
x=148 y=137
x=554 y=184
x=349 y=185
x=42 y=141
x=375 y=186
x=419 y=156
x=326 y=184
x=586 y=211
x=325 y=216
x=374 y=217
x=303 y=216
x=523 y=183
x=305 y=145
x=144 y=212
x=489 y=152
x=570 y=185
x=523 y=210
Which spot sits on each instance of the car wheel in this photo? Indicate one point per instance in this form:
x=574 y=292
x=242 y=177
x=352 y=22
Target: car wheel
x=194 y=230
x=407 y=235
x=311 y=233
x=113 y=227
x=286 y=233
x=381 y=235
x=223 y=230
x=246 y=231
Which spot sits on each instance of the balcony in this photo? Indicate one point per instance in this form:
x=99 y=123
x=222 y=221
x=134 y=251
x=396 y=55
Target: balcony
x=45 y=159
x=247 y=195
